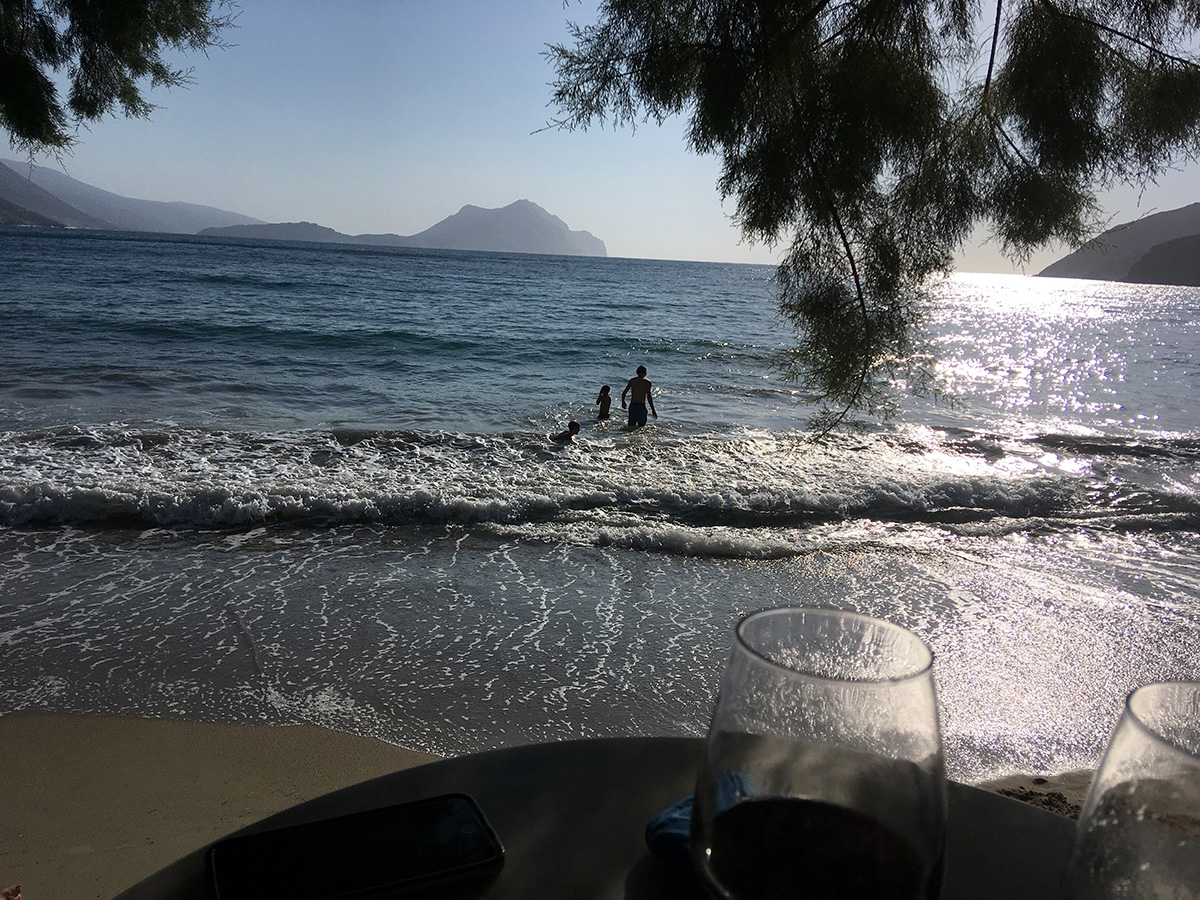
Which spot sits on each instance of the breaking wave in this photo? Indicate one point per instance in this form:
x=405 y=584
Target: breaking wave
x=756 y=494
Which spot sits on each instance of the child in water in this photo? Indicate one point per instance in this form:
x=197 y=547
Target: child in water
x=605 y=402
x=567 y=436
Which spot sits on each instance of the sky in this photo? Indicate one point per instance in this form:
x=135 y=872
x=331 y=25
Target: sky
x=387 y=116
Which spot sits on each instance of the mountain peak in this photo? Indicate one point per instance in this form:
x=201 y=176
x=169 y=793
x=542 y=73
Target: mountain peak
x=49 y=197
x=520 y=227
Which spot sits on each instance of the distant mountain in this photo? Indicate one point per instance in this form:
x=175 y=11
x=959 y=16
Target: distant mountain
x=1171 y=262
x=1158 y=249
x=11 y=214
x=24 y=203
x=91 y=207
x=520 y=227
x=282 y=231
x=39 y=195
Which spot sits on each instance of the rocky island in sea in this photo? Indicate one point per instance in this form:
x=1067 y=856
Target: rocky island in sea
x=520 y=227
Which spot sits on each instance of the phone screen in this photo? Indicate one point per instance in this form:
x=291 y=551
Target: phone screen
x=366 y=854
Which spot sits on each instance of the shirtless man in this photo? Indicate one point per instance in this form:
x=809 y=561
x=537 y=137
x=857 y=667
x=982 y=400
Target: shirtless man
x=639 y=390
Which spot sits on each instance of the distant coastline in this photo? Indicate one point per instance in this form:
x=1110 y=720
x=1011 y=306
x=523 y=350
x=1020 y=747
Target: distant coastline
x=42 y=196
x=520 y=227
x=1157 y=249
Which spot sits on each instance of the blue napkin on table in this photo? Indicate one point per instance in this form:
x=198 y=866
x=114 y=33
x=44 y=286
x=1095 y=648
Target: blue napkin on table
x=667 y=835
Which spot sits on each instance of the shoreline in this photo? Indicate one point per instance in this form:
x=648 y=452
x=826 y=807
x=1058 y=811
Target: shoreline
x=93 y=804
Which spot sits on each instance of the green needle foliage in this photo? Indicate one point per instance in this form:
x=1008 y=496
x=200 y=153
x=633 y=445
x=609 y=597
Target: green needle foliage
x=106 y=49
x=877 y=135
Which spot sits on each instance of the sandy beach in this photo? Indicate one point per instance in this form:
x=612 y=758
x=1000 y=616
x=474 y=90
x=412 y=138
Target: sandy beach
x=93 y=804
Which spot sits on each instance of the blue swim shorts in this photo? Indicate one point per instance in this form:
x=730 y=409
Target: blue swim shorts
x=637 y=415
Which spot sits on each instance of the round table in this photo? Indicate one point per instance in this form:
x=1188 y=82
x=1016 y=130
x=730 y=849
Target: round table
x=572 y=814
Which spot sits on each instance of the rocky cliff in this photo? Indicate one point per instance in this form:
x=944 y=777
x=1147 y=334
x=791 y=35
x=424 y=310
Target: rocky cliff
x=1158 y=249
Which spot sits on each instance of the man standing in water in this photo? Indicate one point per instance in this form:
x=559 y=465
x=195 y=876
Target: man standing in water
x=639 y=390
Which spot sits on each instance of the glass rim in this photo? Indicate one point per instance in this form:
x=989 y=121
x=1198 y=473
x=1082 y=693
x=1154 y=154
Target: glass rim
x=1151 y=730
x=830 y=612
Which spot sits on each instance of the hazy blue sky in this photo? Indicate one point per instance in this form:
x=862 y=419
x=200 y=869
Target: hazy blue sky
x=389 y=115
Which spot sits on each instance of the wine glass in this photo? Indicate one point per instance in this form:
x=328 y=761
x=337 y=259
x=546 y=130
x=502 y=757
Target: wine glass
x=823 y=772
x=1139 y=830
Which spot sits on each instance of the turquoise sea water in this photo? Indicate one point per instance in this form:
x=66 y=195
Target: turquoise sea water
x=246 y=481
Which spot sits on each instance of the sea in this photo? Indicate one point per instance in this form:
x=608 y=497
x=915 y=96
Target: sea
x=274 y=483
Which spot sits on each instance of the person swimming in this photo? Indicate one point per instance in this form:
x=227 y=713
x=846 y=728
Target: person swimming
x=567 y=436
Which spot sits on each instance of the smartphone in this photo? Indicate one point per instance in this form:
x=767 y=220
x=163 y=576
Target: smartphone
x=378 y=853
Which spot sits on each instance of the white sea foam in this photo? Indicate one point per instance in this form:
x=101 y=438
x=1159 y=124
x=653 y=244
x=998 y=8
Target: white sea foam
x=674 y=494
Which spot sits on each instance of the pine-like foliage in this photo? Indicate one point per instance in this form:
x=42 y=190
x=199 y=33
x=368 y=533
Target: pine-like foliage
x=874 y=136
x=107 y=49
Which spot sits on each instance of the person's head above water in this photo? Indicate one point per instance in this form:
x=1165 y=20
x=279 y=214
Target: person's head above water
x=641 y=370
x=573 y=427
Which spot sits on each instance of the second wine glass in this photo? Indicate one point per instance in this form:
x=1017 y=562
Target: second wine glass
x=1139 y=831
